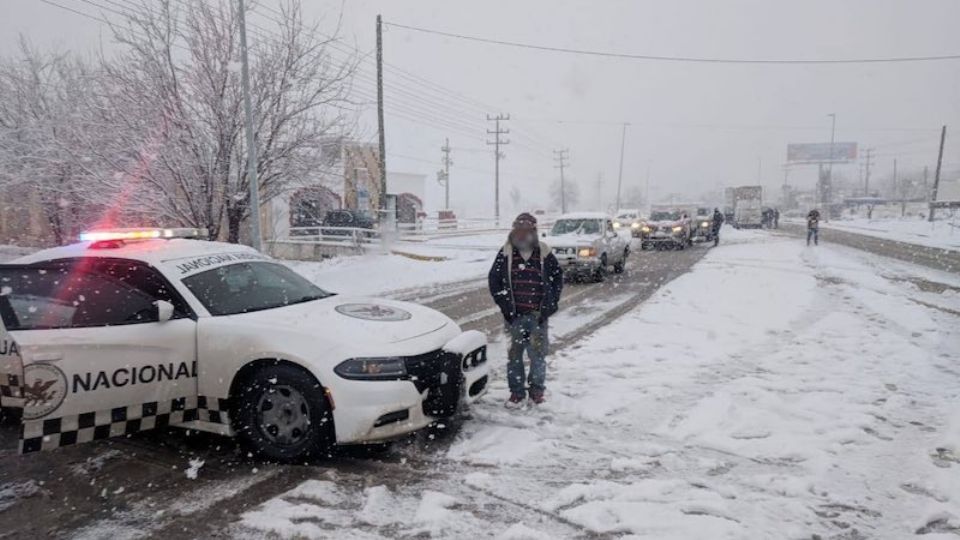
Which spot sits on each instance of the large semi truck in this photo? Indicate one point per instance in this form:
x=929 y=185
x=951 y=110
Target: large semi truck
x=748 y=207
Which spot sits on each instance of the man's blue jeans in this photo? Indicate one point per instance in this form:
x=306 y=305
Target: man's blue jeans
x=813 y=232
x=527 y=334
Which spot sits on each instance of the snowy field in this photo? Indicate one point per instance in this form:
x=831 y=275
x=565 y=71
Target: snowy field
x=776 y=391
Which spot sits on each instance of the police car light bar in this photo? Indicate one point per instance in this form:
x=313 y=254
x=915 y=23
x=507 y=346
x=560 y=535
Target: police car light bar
x=141 y=234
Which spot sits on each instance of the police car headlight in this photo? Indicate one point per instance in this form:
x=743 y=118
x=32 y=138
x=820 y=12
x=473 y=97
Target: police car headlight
x=389 y=368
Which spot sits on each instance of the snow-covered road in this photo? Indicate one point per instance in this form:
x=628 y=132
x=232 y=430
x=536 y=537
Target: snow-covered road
x=777 y=391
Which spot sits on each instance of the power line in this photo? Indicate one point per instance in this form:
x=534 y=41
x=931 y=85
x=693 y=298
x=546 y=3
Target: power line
x=688 y=59
x=444 y=93
x=745 y=127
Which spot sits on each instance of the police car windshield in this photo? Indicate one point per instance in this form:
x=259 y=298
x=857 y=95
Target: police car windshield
x=251 y=286
x=575 y=226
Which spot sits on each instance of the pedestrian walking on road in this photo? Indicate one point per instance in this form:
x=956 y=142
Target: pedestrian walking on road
x=813 y=227
x=776 y=218
x=526 y=282
x=715 y=227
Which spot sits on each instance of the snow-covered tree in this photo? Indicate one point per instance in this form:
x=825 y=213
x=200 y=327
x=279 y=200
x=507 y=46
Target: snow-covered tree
x=177 y=148
x=41 y=116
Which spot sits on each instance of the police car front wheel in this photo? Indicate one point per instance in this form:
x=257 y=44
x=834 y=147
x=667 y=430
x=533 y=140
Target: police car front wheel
x=282 y=415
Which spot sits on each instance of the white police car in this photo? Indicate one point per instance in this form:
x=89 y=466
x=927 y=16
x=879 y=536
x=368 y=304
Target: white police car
x=131 y=330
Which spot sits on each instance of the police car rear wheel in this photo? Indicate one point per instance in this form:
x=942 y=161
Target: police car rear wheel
x=283 y=415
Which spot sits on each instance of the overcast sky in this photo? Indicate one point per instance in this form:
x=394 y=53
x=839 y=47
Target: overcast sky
x=698 y=126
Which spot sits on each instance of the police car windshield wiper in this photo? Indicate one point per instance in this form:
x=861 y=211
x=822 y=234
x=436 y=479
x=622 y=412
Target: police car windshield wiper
x=311 y=297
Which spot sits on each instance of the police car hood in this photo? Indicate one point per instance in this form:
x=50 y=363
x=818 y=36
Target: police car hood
x=572 y=240
x=666 y=224
x=371 y=320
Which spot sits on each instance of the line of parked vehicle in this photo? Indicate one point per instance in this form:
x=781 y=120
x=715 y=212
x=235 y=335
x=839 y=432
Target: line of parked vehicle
x=668 y=226
x=592 y=244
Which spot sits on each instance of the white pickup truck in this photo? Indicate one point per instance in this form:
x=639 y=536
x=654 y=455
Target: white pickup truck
x=587 y=244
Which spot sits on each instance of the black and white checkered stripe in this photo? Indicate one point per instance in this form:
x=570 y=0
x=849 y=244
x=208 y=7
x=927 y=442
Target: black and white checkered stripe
x=10 y=390
x=213 y=410
x=47 y=434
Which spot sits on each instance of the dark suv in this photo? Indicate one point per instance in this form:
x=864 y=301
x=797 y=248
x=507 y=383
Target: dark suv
x=345 y=218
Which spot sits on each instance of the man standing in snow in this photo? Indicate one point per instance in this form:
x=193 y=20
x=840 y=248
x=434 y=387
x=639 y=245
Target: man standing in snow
x=715 y=227
x=526 y=282
x=813 y=227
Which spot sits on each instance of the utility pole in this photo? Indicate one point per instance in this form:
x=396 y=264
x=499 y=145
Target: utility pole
x=600 y=191
x=866 y=173
x=829 y=183
x=623 y=141
x=646 y=185
x=255 y=235
x=497 y=142
x=936 y=174
x=560 y=156
x=383 y=139
x=446 y=173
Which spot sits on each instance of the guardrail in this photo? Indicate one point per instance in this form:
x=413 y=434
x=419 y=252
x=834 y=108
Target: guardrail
x=354 y=236
x=406 y=231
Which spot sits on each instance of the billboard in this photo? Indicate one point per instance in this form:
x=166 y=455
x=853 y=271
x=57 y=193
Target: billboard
x=841 y=152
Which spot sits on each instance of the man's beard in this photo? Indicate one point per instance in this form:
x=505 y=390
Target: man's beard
x=524 y=241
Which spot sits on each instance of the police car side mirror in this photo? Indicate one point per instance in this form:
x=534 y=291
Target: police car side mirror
x=164 y=310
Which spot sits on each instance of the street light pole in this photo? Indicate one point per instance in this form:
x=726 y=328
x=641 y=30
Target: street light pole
x=623 y=141
x=825 y=193
x=255 y=238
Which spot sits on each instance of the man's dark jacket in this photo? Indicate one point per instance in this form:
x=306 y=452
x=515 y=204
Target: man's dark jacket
x=717 y=222
x=502 y=290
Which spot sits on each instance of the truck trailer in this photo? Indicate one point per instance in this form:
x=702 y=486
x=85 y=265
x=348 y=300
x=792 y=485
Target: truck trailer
x=748 y=207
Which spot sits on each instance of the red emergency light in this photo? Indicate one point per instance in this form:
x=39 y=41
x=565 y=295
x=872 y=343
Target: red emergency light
x=122 y=235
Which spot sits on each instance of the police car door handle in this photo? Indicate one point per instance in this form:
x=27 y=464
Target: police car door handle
x=46 y=357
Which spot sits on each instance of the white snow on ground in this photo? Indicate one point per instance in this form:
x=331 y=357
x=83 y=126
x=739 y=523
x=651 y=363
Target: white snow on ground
x=443 y=260
x=777 y=391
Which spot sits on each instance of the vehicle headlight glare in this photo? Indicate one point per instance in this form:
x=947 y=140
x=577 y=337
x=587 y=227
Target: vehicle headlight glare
x=705 y=224
x=391 y=367
x=645 y=229
x=587 y=252
x=634 y=225
x=616 y=224
x=677 y=229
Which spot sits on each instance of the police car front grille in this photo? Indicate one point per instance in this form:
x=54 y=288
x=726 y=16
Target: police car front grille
x=439 y=373
x=426 y=370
